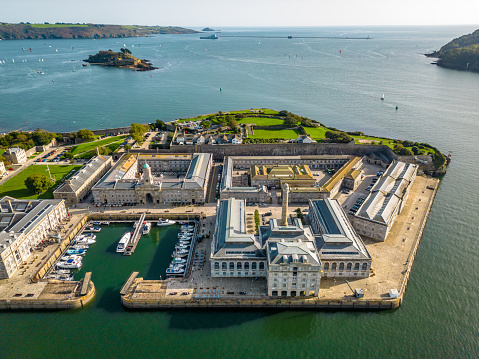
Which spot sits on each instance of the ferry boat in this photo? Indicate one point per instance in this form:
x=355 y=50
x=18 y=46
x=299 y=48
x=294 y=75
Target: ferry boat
x=71 y=263
x=76 y=251
x=164 y=222
x=210 y=37
x=92 y=229
x=123 y=242
x=146 y=228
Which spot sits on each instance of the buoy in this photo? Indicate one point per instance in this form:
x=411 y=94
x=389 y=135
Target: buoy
x=220 y=89
x=151 y=75
x=53 y=80
x=339 y=51
x=397 y=107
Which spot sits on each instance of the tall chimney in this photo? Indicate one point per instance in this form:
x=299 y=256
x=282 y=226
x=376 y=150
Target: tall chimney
x=284 y=213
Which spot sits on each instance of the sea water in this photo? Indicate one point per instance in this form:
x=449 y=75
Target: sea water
x=338 y=82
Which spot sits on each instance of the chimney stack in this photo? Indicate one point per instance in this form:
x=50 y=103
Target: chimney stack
x=284 y=213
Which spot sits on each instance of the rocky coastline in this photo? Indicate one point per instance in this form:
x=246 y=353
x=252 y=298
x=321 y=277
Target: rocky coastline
x=122 y=60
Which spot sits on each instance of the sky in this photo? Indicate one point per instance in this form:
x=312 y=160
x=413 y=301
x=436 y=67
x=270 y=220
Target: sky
x=239 y=13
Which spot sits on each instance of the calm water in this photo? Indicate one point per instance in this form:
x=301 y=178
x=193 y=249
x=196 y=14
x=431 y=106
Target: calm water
x=313 y=78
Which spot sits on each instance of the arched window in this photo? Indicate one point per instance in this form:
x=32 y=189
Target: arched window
x=341 y=266
x=253 y=266
x=365 y=266
x=348 y=267
x=261 y=265
x=333 y=268
x=246 y=266
x=356 y=266
x=326 y=266
x=238 y=266
x=217 y=265
x=232 y=265
x=224 y=266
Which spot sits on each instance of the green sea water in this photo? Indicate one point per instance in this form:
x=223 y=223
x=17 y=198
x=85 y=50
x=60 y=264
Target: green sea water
x=438 y=318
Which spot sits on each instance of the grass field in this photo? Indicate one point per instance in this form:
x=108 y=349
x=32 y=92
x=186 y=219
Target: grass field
x=87 y=146
x=50 y=26
x=262 y=121
x=286 y=134
x=316 y=132
x=15 y=186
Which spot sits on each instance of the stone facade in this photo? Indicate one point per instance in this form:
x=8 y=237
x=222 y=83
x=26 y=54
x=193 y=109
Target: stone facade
x=16 y=155
x=23 y=225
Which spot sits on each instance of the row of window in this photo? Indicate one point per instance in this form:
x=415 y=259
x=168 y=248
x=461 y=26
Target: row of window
x=239 y=265
x=349 y=267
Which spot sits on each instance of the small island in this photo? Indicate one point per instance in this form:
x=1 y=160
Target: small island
x=208 y=29
x=123 y=59
x=459 y=54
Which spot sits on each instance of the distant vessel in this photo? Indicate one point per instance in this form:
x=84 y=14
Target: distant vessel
x=123 y=242
x=73 y=68
x=210 y=37
x=290 y=37
x=165 y=222
x=382 y=97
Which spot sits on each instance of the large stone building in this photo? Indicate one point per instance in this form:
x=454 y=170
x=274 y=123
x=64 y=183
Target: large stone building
x=234 y=252
x=15 y=155
x=155 y=179
x=3 y=171
x=23 y=225
x=294 y=267
x=342 y=252
x=77 y=187
x=385 y=201
x=285 y=254
x=272 y=171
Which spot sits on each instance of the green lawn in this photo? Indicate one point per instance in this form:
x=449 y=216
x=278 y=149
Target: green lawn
x=286 y=134
x=316 y=132
x=262 y=121
x=15 y=186
x=48 y=26
x=87 y=146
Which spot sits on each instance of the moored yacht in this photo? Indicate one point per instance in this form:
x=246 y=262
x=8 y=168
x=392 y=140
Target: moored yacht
x=164 y=222
x=146 y=228
x=125 y=239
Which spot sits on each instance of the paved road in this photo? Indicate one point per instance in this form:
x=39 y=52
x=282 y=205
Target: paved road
x=211 y=193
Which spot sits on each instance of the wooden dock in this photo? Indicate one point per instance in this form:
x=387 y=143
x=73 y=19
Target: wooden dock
x=135 y=238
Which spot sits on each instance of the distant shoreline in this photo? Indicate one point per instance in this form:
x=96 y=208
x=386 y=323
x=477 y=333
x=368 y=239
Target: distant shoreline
x=83 y=31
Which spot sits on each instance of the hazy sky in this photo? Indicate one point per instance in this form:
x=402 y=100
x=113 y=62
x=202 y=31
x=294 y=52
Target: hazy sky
x=244 y=12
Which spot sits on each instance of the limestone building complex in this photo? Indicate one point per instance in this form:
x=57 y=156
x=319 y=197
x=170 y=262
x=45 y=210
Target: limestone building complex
x=342 y=251
x=386 y=200
x=23 y=225
x=77 y=187
x=155 y=179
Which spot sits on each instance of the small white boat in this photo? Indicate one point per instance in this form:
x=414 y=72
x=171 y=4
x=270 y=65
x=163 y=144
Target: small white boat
x=178 y=260
x=92 y=229
x=89 y=235
x=382 y=97
x=146 y=228
x=174 y=270
x=180 y=253
x=181 y=246
x=71 y=263
x=61 y=271
x=185 y=235
x=188 y=227
x=164 y=222
x=84 y=240
x=106 y=223
x=80 y=246
x=74 y=257
x=125 y=239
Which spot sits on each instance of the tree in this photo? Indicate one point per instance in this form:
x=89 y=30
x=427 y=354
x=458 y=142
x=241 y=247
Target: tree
x=85 y=134
x=283 y=113
x=105 y=151
x=127 y=147
x=37 y=183
x=160 y=125
x=405 y=152
x=338 y=136
x=206 y=124
x=125 y=51
x=137 y=131
x=69 y=155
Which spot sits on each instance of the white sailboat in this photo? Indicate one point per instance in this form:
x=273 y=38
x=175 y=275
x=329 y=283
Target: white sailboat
x=382 y=97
